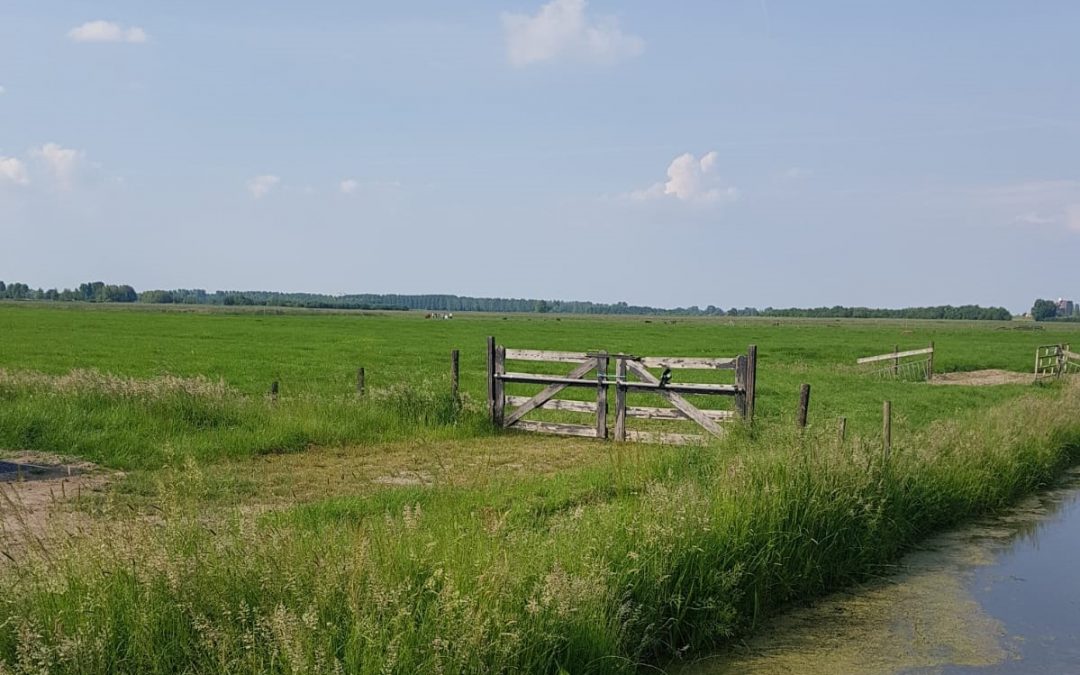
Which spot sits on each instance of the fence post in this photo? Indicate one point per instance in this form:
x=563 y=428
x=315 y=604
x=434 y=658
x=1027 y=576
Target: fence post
x=841 y=429
x=930 y=363
x=1060 y=360
x=491 y=377
x=886 y=427
x=361 y=381
x=896 y=361
x=804 y=404
x=751 y=382
x=273 y=391
x=500 y=394
x=620 y=398
x=454 y=372
x=601 y=395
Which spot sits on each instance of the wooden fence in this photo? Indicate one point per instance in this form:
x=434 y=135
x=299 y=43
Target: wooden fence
x=1053 y=361
x=631 y=375
x=904 y=363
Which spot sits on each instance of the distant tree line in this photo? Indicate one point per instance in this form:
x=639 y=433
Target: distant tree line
x=101 y=292
x=95 y=291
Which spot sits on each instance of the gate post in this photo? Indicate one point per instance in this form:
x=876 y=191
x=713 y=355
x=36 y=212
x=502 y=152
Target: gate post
x=751 y=382
x=601 y=395
x=500 y=394
x=491 y=377
x=620 y=398
x=741 y=363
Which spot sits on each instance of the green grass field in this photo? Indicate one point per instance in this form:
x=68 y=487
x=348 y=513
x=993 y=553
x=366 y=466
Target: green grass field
x=398 y=533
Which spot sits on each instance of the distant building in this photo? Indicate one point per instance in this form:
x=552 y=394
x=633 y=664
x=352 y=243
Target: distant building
x=1066 y=307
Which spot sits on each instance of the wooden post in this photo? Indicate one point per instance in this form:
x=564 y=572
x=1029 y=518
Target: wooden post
x=491 y=377
x=454 y=373
x=1060 y=353
x=751 y=382
x=841 y=428
x=273 y=391
x=741 y=364
x=620 y=398
x=930 y=363
x=500 y=394
x=361 y=381
x=896 y=361
x=886 y=427
x=804 y=404
x=601 y=395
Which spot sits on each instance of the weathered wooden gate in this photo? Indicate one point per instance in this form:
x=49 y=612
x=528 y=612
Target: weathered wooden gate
x=590 y=370
x=1053 y=361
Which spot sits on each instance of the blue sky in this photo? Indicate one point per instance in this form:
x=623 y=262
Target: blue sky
x=728 y=153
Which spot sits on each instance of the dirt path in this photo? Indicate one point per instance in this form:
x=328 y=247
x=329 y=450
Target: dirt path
x=982 y=378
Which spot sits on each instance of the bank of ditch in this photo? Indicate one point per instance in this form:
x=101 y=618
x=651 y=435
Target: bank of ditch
x=647 y=558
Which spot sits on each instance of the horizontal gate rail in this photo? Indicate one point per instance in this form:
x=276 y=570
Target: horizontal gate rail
x=1053 y=361
x=632 y=375
x=920 y=368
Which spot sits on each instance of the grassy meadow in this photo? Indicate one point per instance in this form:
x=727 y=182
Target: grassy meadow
x=397 y=533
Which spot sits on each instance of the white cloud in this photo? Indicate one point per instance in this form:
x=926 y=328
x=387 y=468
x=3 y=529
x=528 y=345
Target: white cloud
x=1037 y=203
x=349 y=186
x=260 y=186
x=2 y=90
x=561 y=29
x=691 y=180
x=62 y=162
x=13 y=170
x=107 y=31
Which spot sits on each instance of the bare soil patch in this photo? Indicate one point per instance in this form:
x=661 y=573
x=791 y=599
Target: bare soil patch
x=982 y=378
x=34 y=486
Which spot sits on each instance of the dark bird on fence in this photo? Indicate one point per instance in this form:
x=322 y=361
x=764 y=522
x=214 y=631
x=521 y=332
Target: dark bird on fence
x=665 y=377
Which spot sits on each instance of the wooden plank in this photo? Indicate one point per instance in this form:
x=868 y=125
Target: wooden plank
x=664 y=438
x=895 y=355
x=1071 y=355
x=563 y=404
x=601 y=396
x=540 y=355
x=558 y=429
x=549 y=391
x=688 y=362
x=620 y=400
x=680 y=387
x=649 y=413
x=676 y=400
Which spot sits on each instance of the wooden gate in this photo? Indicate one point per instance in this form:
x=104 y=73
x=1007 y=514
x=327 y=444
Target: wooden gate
x=1052 y=361
x=632 y=374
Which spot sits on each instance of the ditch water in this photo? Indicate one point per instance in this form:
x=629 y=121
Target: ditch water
x=1001 y=597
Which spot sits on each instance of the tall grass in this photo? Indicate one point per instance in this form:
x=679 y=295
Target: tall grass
x=145 y=423
x=656 y=555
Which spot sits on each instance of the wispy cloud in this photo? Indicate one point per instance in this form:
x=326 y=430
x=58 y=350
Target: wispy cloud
x=107 y=31
x=260 y=186
x=63 y=163
x=690 y=179
x=12 y=170
x=349 y=186
x=1045 y=203
x=562 y=30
